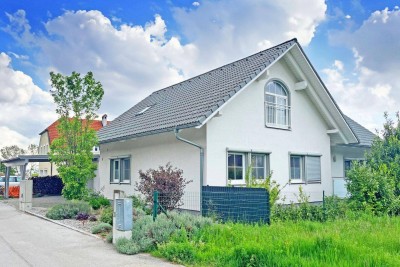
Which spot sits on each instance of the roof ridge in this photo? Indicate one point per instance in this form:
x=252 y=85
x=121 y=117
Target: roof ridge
x=228 y=64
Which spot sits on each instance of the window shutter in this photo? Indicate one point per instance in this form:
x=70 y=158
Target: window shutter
x=313 y=169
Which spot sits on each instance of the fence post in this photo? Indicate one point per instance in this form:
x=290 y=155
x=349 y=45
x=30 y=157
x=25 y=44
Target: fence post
x=323 y=205
x=155 y=205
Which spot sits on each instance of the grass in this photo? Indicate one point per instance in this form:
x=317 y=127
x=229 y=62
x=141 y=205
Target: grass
x=366 y=241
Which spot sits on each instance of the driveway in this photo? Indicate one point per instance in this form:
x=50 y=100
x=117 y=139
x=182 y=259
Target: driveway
x=26 y=240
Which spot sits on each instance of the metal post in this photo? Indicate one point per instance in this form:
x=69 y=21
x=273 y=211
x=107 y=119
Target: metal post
x=323 y=204
x=155 y=205
x=7 y=182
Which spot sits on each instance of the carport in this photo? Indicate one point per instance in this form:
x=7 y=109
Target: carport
x=21 y=162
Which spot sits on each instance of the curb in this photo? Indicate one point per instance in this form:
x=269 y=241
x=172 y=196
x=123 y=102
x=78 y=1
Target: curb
x=64 y=225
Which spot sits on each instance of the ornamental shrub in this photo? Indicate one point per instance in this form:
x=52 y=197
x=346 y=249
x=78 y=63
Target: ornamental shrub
x=97 y=200
x=68 y=210
x=106 y=215
x=126 y=246
x=101 y=228
x=168 y=181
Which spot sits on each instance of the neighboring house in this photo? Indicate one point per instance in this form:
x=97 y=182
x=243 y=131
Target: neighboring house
x=48 y=135
x=269 y=112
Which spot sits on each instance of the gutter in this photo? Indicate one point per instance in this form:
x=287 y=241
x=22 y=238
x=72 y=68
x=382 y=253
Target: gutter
x=201 y=164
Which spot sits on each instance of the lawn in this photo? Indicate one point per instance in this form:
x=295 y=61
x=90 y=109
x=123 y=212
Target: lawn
x=365 y=241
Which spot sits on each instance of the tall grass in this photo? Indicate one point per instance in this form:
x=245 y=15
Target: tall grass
x=367 y=241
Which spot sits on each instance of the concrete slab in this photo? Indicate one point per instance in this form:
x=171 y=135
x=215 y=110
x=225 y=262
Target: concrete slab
x=26 y=240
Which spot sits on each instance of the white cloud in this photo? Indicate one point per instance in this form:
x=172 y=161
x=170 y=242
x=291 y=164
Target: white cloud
x=131 y=61
x=229 y=29
x=374 y=87
x=196 y=3
x=25 y=108
x=347 y=17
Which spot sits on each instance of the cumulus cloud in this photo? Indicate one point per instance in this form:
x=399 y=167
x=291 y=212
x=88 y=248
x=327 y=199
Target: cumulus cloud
x=229 y=29
x=373 y=88
x=25 y=108
x=133 y=60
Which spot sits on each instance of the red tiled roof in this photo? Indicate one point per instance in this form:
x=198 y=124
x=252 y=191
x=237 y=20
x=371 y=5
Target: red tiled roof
x=53 y=132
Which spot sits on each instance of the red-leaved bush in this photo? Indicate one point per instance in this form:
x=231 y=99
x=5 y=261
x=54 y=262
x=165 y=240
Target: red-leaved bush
x=168 y=181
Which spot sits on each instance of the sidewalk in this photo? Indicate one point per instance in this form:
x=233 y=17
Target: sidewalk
x=29 y=241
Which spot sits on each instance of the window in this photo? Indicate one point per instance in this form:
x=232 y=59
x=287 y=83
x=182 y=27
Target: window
x=277 y=109
x=239 y=164
x=305 y=169
x=235 y=166
x=120 y=170
x=348 y=164
x=258 y=166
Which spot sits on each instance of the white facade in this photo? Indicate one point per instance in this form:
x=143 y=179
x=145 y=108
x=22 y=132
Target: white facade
x=240 y=126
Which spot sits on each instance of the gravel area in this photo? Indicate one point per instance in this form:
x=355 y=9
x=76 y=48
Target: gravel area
x=86 y=226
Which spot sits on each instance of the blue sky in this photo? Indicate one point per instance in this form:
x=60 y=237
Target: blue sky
x=136 y=47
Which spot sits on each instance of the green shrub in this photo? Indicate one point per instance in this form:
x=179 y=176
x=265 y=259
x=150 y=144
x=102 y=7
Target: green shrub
x=68 y=210
x=106 y=215
x=109 y=237
x=147 y=235
x=372 y=189
x=97 y=200
x=101 y=228
x=126 y=246
x=178 y=252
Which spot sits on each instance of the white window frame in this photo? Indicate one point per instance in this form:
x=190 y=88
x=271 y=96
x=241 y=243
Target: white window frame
x=266 y=165
x=303 y=169
x=246 y=161
x=275 y=106
x=121 y=179
x=236 y=181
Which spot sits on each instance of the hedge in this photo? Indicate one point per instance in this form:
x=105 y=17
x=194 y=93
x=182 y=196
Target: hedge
x=47 y=185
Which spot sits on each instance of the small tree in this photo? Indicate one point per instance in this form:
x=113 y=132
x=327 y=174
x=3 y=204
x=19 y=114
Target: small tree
x=168 y=181
x=77 y=101
x=375 y=186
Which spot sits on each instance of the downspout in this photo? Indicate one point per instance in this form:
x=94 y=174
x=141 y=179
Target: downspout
x=201 y=164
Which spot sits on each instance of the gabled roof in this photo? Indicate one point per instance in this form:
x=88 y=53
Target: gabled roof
x=53 y=132
x=364 y=136
x=191 y=102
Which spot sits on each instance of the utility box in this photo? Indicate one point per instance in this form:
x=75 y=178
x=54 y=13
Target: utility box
x=25 y=194
x=123 y=214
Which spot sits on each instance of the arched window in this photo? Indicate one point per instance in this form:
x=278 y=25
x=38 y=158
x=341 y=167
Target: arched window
x=277 y=109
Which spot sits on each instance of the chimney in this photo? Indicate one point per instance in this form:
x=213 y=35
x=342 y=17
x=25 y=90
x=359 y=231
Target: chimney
x=104 y=120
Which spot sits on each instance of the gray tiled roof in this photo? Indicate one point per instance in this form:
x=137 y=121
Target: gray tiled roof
x=189 y=103
x=364 y=136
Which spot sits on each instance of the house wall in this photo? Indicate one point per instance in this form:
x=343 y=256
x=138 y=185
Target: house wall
x=339 y=155
x=242 y=127
x=45 y=168
x=151 y=152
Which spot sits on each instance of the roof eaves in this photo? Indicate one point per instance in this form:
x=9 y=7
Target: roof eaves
x=329 y=94
x=148 y=133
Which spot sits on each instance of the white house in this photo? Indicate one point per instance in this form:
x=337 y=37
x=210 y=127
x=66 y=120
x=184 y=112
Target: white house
x=269 y=112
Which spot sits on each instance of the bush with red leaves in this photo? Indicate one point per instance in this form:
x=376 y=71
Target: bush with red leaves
x=168 y=181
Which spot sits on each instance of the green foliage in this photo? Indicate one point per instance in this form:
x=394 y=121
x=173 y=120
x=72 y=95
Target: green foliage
x=366 y=241
x=77 y=99
x=140 y=204
x=109 y=237
x=101 y=228
x=335 y=208
x=178 y=252
x=126 y=246
x=68 y=210
x=148 y=235
x=97 y=200
x=372 y=189
x=274 y=189
x=375 y=185
x=106 y=215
